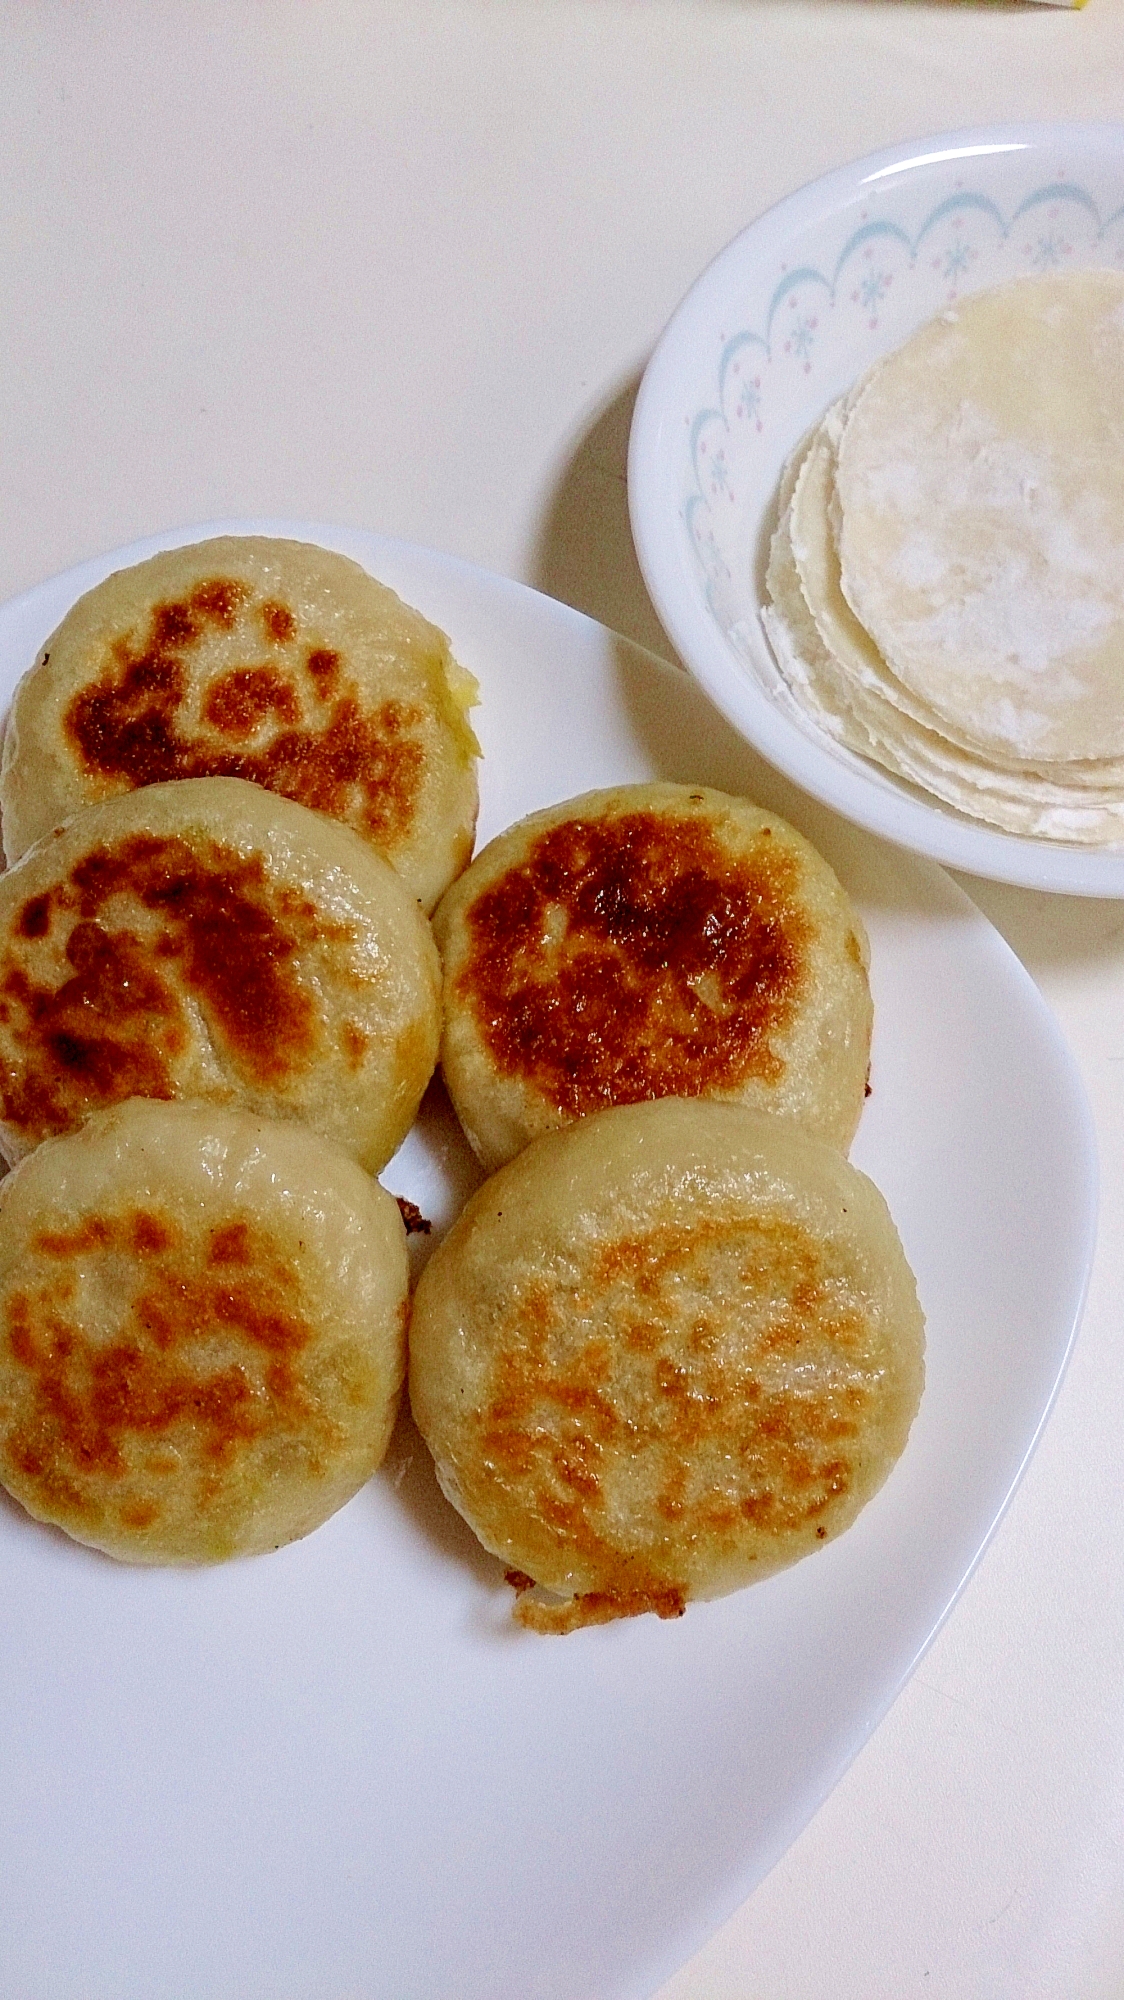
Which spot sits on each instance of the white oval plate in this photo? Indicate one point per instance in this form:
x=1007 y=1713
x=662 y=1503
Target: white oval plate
x=790 y=314
x=341 y=1770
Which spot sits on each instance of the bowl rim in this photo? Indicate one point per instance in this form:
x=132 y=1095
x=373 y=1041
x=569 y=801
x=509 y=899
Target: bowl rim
x=868 y=797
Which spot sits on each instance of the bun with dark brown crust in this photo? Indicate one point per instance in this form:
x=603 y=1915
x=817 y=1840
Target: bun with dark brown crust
x=652 y=940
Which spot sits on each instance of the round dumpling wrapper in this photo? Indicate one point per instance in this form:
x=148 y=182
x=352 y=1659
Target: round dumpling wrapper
x=258 y=658
x=663 y=1353
x=835 y=674
x=979 y=492
x=202 y=1332
x=647 y=941
x=209 y=940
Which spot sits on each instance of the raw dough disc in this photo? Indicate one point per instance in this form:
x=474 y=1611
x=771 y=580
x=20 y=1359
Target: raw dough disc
x=979 y=491
x=837 y=676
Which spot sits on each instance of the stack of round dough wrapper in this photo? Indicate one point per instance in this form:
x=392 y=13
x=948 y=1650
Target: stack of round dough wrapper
x=947 y=575
x=663 y=1353
x=208 y=940
x=651 y=941
x=262 y=659
x=202 y=1338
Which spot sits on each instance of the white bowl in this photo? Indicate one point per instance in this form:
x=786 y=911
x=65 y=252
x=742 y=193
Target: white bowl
x=773 y=332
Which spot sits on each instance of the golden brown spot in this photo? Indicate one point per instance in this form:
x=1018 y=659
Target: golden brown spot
x=239 y=702
x=633 y=958
x=324 y=667
x=97 y=1016
x=132 y=723
x=643 y=1337
x=354 y=1044
x=19 y=1330
x=229 y=1244
x=672 y=1501
x=189 y=1366
x=150 y=1235
x=175 y=625
x=92 y=1234
x=278 y=620
x=416 y=1223
x=219 y=601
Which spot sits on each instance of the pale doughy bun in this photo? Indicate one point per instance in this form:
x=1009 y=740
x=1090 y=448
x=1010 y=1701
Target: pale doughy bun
x=663 y=1353
x=652 y=940
x=209 y=940
x=201 y=1332
x=253 y=658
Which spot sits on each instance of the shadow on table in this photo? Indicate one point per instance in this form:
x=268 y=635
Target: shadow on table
x=584 y=554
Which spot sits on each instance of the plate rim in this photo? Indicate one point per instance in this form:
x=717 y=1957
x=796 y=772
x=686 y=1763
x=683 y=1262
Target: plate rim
x=744 y=1875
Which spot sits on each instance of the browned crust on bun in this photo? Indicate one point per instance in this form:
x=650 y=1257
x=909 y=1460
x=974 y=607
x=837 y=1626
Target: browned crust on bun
x=206 y=940
x=273 y=661
x=664 y=1352
x=650 y=941
x=202 y=1332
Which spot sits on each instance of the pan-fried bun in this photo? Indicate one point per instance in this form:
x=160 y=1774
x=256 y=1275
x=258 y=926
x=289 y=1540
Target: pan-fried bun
x=209 y=940
x=651 y=940
x=249 y=657
x=201 y=1331
x=662 y=1353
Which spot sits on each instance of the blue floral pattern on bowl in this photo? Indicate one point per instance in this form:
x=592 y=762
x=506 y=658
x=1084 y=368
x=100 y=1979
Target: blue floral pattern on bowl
x=785 y=320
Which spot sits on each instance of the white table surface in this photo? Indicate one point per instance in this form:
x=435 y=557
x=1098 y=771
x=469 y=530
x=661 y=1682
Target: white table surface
x=399 y=263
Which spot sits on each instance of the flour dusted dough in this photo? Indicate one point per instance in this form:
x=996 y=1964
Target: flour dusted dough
x=202 y=1331
x=662 y=1353
x=838 y=676
x=258 y=658
x=979 y=516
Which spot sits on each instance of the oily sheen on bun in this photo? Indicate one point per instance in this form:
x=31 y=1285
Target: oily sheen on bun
x=202 y=1338
x=662 y=1353
x=208 y=940
x=651 y=940
x=256 y=658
